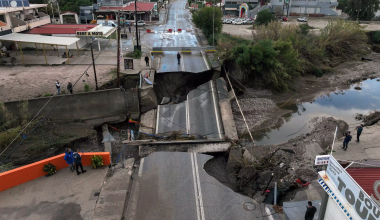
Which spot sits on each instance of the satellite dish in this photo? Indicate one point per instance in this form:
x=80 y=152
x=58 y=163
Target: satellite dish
x=13 y=4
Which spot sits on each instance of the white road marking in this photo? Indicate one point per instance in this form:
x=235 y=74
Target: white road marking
x=157 y=117
x=199 y=188
x=183 y=63
x=141 y=167
x=267 y=210
x=195 y=186
x=215 y=108
x=187 y=116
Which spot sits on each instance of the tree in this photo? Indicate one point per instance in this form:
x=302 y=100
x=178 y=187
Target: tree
x=264 y=17
x=209 y=20
x=361 y=10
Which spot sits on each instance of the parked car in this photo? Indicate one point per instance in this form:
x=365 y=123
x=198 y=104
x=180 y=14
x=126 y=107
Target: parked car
x=284 y=19
x=140 y=23
x=249 y=22
x=304 y=19
x=237 y=22
x=228 y=21
x=106 y=23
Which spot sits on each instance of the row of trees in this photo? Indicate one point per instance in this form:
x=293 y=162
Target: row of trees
x=360 y=9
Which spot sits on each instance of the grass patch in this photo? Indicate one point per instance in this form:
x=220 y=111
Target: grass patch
x=47 y=94
x=87 y=88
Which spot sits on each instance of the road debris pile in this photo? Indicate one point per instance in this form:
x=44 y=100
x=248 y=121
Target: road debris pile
x=253 y=170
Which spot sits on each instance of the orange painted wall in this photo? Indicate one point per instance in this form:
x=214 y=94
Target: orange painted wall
x=33 y=171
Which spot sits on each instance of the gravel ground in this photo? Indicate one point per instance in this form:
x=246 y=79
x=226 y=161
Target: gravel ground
x=19 y=82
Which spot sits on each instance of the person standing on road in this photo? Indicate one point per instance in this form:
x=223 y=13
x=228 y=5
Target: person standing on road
x=78 y=162
x=178 y=58
x=58 y=87
x=346 y=140
x=147 y=60
x=310 y=211
x=69 y=159
x=359 y=132
x=129 y=28
x=70 y=87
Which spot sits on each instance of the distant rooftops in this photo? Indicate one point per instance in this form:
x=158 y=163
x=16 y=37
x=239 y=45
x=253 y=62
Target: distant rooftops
x=61 y=28
x=4 y=10
x=141 y=6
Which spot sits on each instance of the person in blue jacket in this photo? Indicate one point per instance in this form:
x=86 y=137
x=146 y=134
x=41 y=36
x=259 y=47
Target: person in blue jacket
x=346 y=140
x=69 y=159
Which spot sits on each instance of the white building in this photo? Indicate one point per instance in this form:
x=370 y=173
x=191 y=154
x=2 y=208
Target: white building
x=20 y=16
x=322 y=7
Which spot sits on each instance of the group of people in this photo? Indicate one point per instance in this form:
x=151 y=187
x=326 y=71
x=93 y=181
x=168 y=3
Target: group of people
x=74 y=159
x=348 y=136
x=178 y=58
x=69 y=87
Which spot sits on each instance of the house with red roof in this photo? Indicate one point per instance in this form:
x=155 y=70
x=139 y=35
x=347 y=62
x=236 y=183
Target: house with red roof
x=146 y=11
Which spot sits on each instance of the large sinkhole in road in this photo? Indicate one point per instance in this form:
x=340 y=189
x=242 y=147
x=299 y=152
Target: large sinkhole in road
x=176 y=85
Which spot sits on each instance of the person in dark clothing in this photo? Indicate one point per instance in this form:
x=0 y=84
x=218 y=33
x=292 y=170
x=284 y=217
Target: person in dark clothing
x=310 y=211
x=78 y=162
x=70 y=87
x=346 y=140
x=178 y=58
x=359 y=132
x=129 y=28
x=147 y=60
x=69 y=159
x=58 y=87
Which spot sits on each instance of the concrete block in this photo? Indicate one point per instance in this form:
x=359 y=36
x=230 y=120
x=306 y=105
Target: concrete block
x=148 y=100
x=235 y=159
x=148 y=122
x=107 y=145
x=228 y=120
x=248 y=155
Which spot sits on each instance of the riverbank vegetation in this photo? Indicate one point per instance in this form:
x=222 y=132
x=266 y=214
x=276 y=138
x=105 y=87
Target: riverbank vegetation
x=280 y=53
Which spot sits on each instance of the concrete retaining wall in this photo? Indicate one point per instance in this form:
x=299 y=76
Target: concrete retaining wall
x=111 y=105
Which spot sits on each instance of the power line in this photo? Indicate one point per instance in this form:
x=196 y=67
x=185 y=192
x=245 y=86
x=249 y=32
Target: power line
x=39 y=123
x=42 y=106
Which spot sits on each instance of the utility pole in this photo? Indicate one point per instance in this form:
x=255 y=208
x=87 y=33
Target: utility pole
x=137 y=32
x=93 y=64
x=118 y=50
x=52 y=11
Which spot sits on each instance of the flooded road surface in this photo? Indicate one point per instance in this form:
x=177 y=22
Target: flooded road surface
x=342 y=105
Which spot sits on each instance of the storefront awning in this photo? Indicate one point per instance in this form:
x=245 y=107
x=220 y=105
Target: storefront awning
x=39 y=39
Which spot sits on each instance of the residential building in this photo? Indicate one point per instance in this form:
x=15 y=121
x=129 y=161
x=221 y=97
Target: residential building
x=309 y=7
x=19 y=16
x=145 y=11
x=86 y=14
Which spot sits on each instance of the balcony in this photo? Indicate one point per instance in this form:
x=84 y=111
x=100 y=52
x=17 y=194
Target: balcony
x=19 y=25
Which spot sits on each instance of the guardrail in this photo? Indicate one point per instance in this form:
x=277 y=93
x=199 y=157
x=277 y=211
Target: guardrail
x=33 y=171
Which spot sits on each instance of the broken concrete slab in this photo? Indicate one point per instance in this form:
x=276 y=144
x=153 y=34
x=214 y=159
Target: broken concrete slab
x=148 y=122
x=145 y=150
x=228 y=119
x=312 y=150
x=148 y=100
x=235 y=159
x=248 y=155
x=112 y=198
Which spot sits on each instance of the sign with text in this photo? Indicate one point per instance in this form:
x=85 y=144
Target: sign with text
x=128 y=64
x=322 y=159
x=89 y=33
x=208 y=4
x=359 y=200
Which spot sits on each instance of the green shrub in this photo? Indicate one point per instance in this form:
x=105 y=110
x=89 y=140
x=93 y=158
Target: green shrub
x=304 y=28
x=47 y=94
x=134 y=54
x=264 y=17
x=208 y=19
x=50 y=169
x=376 y=37
x=96 y=161
x=86 y=87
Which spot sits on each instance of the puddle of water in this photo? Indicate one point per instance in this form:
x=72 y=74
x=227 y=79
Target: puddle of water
x=339 y=104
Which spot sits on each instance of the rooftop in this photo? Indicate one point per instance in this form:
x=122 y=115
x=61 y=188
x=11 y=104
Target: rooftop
x=366 y=178
x=61 y=29
x=141 y=6
x=39 y=39
x=7 y=10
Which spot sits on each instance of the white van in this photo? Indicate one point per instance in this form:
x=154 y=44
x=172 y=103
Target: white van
x=106 y=23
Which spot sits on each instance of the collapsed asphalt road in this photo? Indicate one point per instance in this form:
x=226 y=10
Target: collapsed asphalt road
x=174 y=186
